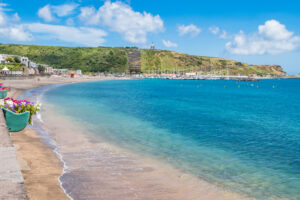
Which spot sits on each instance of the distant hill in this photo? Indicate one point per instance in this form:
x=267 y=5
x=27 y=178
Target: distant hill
x=105 y=59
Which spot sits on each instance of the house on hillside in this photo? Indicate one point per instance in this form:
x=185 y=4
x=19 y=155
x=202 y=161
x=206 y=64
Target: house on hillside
x=33 y=64
x=2 y=59
x=24 y=60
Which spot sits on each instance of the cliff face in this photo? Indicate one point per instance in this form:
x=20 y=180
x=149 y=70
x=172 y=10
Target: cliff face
x=105 y=59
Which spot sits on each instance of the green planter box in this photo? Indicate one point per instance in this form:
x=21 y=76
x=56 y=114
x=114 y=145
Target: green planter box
x=3 y=94
x=16 y=121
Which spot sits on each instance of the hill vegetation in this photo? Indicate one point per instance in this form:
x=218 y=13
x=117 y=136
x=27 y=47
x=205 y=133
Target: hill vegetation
x=169 y=61
x=98 y=59
x=104 y=59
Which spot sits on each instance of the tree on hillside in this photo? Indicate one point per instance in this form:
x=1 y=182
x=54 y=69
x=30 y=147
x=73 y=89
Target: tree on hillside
x=17 y=60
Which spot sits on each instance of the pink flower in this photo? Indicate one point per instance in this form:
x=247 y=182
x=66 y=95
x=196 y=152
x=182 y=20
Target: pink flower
x=5 y=88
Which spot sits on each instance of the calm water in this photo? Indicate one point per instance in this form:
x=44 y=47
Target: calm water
x=244 y=136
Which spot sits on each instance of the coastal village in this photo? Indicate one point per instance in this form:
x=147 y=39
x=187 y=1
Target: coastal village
x=15 y=65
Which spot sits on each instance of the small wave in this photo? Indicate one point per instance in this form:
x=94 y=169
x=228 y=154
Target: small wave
x=65 y=168
x=37 y=95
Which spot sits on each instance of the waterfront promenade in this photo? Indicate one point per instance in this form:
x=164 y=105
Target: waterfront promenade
x=11 y=179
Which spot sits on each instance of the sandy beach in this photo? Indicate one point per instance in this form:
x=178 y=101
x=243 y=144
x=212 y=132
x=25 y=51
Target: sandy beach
x=107 y=176
x=39 y=164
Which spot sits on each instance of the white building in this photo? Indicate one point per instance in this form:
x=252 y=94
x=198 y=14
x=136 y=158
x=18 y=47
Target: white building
x=24 y=60
x=33 y=64
x=49 y=70
x=190 y=74
x=2 y=58
x=79 y=72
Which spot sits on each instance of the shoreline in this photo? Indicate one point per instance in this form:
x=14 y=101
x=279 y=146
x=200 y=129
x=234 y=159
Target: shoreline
x=29 y=142
x=40 y=165
x=129 y=174
x=35 y=191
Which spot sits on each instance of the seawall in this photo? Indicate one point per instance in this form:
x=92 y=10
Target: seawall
x=11 y=179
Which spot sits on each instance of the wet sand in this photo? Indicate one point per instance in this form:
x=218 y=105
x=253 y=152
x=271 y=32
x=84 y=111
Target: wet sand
x=40 y=166
x=98 y=170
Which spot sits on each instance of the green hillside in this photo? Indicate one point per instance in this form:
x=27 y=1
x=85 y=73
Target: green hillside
x=98 y=59
x=102 y=59
x=173 y=61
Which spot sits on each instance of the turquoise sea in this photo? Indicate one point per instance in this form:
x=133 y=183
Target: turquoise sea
x=242 y=136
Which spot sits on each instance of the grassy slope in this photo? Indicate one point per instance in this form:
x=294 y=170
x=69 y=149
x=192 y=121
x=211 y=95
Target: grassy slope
x=87 y=59
x=168 y=60
x=116 y=60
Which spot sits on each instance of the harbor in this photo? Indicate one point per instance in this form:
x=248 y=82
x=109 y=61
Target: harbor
x=200 y=77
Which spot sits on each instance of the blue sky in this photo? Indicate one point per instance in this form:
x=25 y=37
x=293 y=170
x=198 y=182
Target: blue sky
x=256 y=32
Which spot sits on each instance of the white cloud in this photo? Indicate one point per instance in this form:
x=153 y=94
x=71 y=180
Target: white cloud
x=120 y=18
x=272 y=38
x=70 y=22
x=168 y=43
x=9 y=30
x=89 y=15
x=46 y=14
x=15 y=33
x=274 y=30
x=64 y=10
x=12 y=31
x=2 y=19
x=214 y=30
x=191 y=29
x=2 y=7
x=82 y=36
x=16 y=17
x=223 y=35
x=217 y=31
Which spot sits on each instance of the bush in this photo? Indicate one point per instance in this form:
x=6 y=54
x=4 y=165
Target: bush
x=9 y=59
x=17 y=60
x=223 y=63
x=239 y=64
